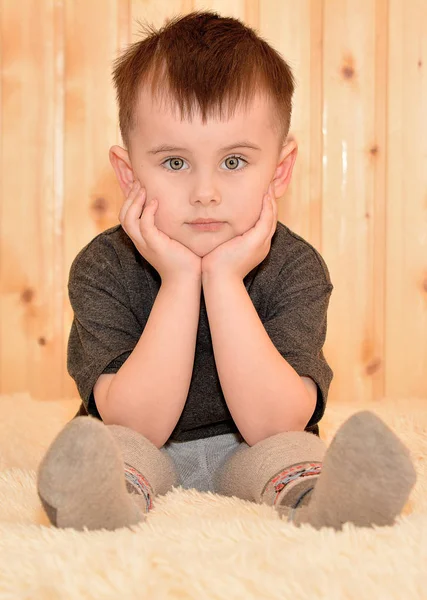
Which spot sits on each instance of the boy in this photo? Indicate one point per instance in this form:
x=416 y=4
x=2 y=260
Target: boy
x=197 y=349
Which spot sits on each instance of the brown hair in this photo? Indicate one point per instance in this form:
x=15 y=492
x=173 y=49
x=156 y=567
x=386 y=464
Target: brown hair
x=203 y=60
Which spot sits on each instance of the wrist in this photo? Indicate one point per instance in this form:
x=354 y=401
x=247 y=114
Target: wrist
x=183 y=280
x=209 y=277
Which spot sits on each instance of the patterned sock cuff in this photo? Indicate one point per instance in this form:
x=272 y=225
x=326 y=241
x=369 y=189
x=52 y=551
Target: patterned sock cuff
x=277 y=488
x=295 y=506
x=139 y=484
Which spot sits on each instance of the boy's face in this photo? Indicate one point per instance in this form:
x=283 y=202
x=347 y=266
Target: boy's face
x=200 y=178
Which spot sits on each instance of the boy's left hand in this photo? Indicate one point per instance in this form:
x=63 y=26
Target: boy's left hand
x=236 y=257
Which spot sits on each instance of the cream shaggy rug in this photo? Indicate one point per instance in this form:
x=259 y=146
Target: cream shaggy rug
x=200 y=545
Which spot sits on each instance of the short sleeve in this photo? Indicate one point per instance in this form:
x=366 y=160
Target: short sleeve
x=297 y=326
x=104 y=330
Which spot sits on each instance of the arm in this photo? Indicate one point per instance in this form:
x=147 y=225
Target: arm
x=149 y=391
x=264 y=394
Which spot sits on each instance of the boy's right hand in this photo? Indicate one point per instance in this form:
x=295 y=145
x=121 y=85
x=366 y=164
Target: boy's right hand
x=170 y=258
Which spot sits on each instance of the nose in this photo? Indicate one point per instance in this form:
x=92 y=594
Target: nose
x=206 y=200
x=205 y=192
x=204 y=186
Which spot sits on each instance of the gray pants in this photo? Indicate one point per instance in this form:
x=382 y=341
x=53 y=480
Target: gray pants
x=198 y=461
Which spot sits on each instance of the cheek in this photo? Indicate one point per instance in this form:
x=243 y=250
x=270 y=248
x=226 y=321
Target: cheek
x=163 y=219
x=248 y=214
x=160 y=219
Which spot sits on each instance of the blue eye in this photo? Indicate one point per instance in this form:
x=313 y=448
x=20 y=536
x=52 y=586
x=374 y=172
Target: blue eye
x=175 y=159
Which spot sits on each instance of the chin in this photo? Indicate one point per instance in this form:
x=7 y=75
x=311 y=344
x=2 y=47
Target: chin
x=202 y=248
x=201 y=253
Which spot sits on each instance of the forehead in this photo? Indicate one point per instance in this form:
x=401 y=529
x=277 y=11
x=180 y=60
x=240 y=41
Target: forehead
x=162 y=117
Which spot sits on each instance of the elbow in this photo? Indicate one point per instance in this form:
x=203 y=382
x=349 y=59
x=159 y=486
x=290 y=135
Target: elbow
x=292 y=415
x=142 y=429
x=294 y=423
x=124 y=419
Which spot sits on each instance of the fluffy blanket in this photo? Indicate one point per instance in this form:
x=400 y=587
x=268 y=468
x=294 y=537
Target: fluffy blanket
x=200 y=545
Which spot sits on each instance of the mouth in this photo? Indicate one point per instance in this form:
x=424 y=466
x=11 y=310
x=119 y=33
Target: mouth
x=198 y=221
x=207 y=225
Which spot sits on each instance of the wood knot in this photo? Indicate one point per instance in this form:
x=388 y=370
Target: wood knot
x=420 y=63
x=41 y=341
x=27 y=295
x=347 y=71
x=373 y=366
x=374 y=150
x=424 y=284
x=348 y=66
x=100 y=205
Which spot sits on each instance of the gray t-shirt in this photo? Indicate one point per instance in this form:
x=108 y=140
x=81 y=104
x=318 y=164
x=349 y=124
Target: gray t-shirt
x=112 y=289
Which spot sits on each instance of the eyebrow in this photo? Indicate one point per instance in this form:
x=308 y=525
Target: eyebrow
x=167 y=148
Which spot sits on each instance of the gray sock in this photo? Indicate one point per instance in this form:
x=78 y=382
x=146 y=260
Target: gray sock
x=148 y=471
x=81 y=481
x=366 y=478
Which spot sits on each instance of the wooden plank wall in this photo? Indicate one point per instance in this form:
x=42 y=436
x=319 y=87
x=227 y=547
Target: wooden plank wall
x=358 y=193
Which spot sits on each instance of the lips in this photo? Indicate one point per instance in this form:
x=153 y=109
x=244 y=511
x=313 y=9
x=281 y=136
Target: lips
x=210 y=226
x=202 y=221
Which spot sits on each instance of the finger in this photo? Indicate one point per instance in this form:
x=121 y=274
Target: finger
x=146 y=224
x=134 y=212
x=274 y=223
x=274 y=220
x=127 y=203
x=258 y=233
x=267 y=219
x=266 y=212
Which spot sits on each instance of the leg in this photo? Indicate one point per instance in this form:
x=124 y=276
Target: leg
x=148 y=471
x=280 y=470
x=366 y=479
x=365 y=476
x=101 y=476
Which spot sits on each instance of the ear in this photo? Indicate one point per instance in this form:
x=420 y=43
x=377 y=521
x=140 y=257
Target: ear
x=282 y=175
x=119 y=158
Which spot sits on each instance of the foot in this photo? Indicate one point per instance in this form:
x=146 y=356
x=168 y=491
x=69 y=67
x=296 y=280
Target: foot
x=81 y=481
x=366 y=479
